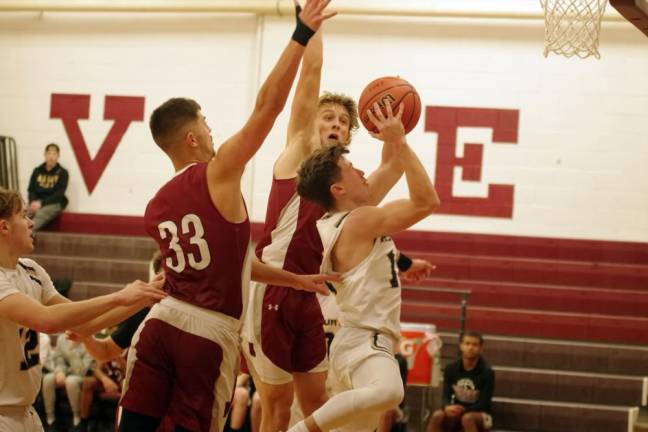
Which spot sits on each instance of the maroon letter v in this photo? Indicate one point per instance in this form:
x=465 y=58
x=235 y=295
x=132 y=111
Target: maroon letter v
x=71 y=108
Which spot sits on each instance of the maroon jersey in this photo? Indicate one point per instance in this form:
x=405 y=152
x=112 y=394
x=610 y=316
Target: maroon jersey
x=290 y=238
x=204 y=255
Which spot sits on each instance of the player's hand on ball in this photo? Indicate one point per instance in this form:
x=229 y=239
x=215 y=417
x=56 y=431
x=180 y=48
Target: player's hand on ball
x=390 y=127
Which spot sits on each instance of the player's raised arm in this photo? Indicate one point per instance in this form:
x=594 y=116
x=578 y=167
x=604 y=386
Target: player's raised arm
x=392 y=133
x=303 y=112
x=370 y=222
x=232 y=156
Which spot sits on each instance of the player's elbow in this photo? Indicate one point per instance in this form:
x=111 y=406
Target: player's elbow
x=434 y=203
x=428 y=206
x=48 y=325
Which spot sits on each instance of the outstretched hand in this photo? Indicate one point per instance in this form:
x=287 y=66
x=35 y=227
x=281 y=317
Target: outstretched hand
x=419 y=270
x=141 y=292
x=73 y=336
x=313 y=13
x=315 y=283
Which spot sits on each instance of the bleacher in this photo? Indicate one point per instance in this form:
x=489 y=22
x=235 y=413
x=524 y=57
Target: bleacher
x=566 y=321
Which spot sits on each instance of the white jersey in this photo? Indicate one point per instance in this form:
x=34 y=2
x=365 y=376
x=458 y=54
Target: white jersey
x=20 y=367
x=369 y=295
x=330 y=312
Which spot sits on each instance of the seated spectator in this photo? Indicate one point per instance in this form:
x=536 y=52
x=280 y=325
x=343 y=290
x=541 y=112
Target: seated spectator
x=46 y=354
x=240 y=403
x=114 y=344
x=255 y=408
x=47 y=189
x=71 y=364
x=468 y=386
x=106 y=380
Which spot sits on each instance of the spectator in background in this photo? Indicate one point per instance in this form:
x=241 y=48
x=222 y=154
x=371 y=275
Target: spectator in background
x=104 y=349
x=110 y=350
x=46 y=353
x=107 y=380
x=47 y=189
x=255 y=407
x=468 y=386
x=240 y=403
x=71 y=363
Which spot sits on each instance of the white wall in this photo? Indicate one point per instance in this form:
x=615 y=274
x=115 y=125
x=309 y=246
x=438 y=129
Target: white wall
x=579 y=167
x=203 y=56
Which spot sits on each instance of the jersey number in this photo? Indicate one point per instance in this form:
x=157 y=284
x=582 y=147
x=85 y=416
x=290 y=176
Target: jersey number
x=30 y=348
x=392 y=264
x=329 y=341
x=168 y=228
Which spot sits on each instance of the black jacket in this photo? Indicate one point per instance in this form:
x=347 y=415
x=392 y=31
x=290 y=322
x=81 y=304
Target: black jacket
x=48 y=186
x=473 y=389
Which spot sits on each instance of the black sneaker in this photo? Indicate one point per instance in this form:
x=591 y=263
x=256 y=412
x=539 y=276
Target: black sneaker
x=81 y=427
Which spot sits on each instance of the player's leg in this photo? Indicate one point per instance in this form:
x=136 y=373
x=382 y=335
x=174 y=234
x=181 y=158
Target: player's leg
x=377 y=387
x=310 y=390
x=274 y=388
x=309 y=361
x=205 y=375
x=275 y=405
x=268 y=353
x=149 y=380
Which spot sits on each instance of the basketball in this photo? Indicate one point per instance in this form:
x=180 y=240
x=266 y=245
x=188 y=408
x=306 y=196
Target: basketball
x=396 y=90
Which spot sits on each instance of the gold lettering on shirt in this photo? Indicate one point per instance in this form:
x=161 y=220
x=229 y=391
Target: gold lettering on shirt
x=47 y=181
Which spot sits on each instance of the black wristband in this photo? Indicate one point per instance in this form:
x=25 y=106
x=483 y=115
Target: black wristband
x=302 y=33
x=403 y=263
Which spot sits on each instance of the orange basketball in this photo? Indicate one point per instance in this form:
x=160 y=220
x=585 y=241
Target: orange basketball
x=396 y=90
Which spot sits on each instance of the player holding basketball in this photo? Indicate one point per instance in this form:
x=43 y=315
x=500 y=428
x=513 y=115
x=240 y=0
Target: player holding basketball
x=185 y=354
x=29 y=304
x=283 y=339
x=357 y=244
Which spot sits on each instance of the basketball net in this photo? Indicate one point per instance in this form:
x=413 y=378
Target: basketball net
x=572 y=27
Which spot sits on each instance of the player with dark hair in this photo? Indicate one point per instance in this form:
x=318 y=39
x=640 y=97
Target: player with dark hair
x=187 y=348
x=356 y=234
x=468 y=386
x=283 y=339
